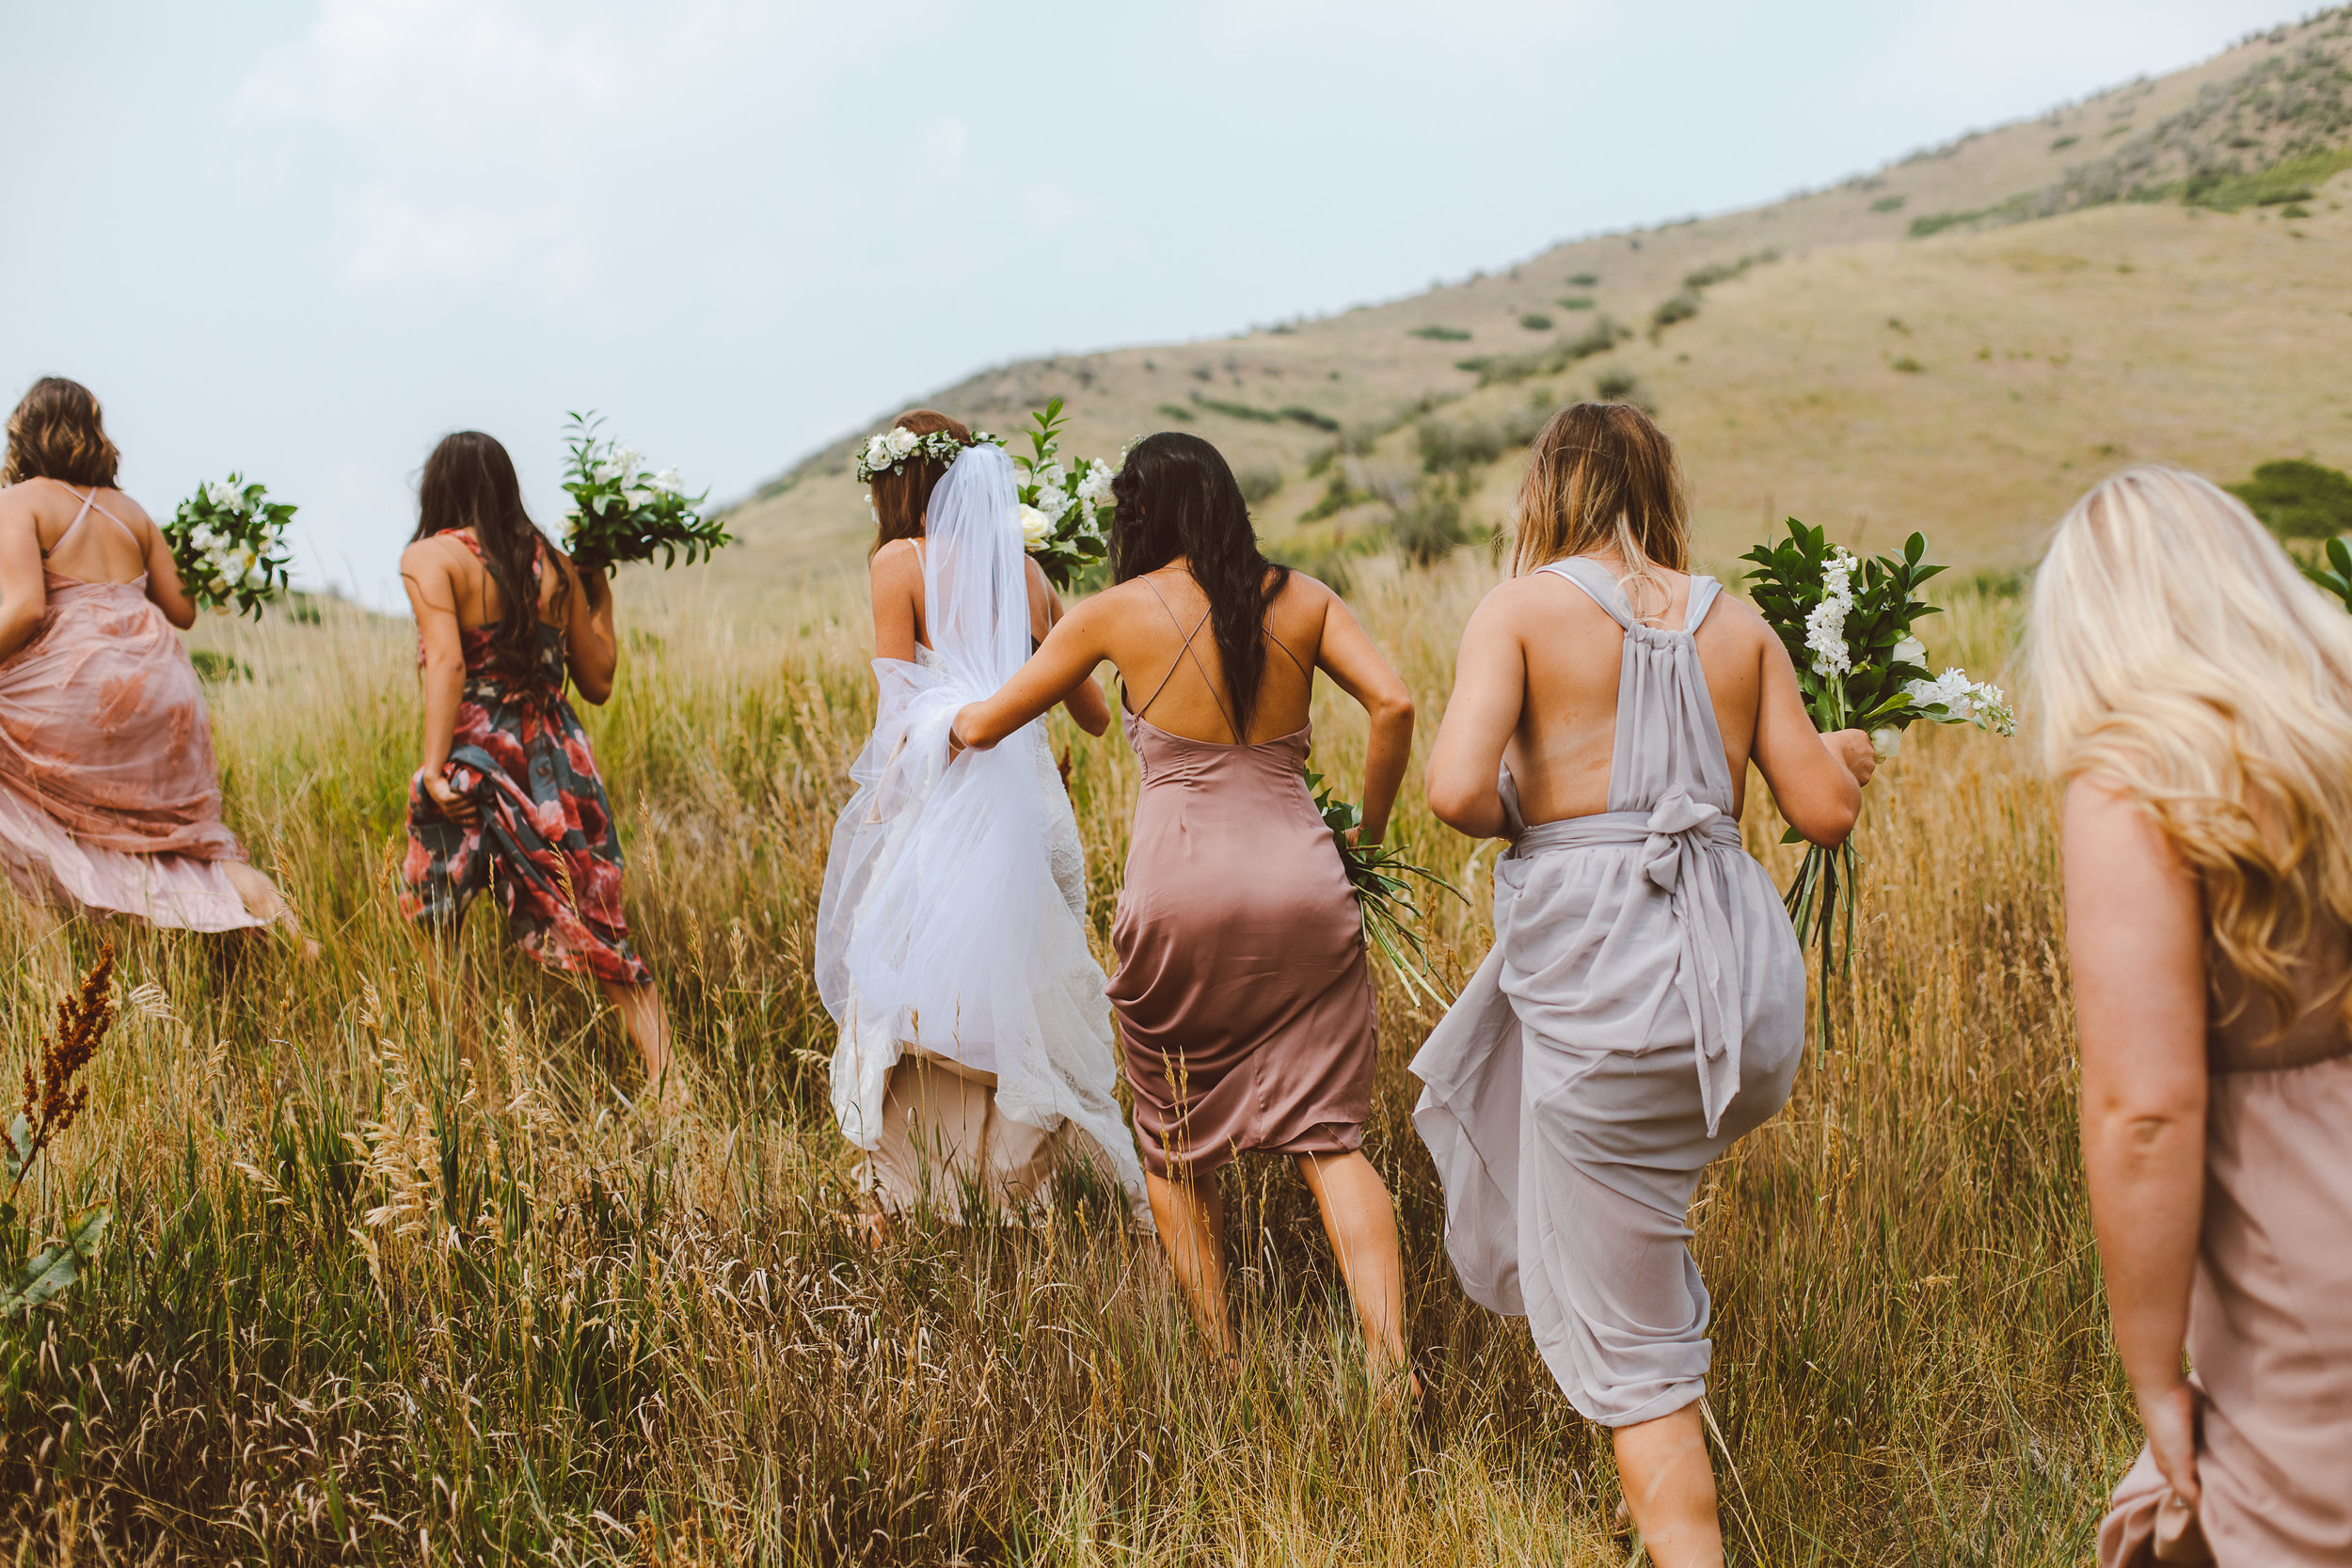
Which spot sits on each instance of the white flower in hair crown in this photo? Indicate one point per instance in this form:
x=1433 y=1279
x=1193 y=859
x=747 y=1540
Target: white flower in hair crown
x=890 y=451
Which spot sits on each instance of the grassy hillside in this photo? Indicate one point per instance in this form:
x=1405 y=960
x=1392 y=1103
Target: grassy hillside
x=1957 y=342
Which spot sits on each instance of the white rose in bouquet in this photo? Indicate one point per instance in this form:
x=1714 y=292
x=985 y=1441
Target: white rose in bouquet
x=1036 y=527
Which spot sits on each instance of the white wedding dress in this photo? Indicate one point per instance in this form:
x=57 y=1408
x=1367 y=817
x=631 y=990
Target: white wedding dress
x=952 y=924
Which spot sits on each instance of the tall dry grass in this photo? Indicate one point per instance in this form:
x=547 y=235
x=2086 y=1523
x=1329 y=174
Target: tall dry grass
x=398 y=1274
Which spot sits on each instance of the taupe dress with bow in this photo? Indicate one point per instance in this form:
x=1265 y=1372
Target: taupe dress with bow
x=1642 y=1007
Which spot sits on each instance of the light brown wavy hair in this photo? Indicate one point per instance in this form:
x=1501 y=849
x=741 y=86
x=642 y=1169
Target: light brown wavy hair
x=2180 y=657
x=58 y=432
x=900 y=498
x=1604 y=477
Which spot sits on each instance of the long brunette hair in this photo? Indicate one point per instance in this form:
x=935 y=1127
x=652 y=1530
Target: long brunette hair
x=900 y=498
x=470 y=482
x=58 y=432
x=1175 y=495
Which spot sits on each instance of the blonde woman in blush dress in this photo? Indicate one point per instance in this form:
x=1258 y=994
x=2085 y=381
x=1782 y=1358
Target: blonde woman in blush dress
x=2196 y=697
x=1242 y=989
x=1643 y=1004
x=109 y=799
x=975 y=1056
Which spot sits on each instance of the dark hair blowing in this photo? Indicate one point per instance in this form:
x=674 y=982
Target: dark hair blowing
x=470 y=482
x=1176 y=496
x=58 y=432
x=900 y=500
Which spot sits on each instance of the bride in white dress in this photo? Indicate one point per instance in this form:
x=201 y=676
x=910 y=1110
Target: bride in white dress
x=974 y=1049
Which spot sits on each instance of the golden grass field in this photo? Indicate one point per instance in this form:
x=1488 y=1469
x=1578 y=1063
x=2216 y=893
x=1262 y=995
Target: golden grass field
x=397 y=1275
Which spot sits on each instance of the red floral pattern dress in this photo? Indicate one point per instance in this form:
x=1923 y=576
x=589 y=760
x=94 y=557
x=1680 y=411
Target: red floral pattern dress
x=544 y=837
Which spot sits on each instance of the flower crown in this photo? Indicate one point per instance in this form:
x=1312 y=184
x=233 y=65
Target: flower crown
x=891 y=450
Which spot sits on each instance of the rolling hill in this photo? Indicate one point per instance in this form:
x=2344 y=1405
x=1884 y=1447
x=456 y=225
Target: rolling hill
x=1958 y=342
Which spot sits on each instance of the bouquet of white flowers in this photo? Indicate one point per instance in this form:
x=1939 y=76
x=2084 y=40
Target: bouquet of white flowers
x=228 y=540
x=623 y=510
x=1860 y=668
x=1065 y=508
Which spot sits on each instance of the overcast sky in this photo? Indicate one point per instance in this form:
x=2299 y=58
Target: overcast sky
x=305 y=238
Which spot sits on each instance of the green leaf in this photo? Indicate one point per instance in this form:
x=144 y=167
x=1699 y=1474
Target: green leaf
x=19 y=1149
x=53 y=1269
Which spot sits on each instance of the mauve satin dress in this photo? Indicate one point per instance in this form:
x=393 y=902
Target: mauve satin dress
x=1243 y=996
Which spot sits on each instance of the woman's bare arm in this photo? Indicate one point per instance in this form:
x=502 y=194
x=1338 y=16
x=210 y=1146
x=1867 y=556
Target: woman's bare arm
x=1084 y=702
x=2136 y=944
x=1489 y=692
x=1071 y=651
x=1816 y=779
x=895 y=577
x=591 y=647
x=165 y=590
x=1348 y=655
x=433 y=599
x=22 y=594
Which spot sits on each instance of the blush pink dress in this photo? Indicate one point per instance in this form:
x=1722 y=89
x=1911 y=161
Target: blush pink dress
x=2270 y=1314
x=109 y=799
x=1244 y=999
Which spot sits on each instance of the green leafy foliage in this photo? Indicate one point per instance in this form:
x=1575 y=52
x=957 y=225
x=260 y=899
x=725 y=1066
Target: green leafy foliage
x=1792 y=579
x=1441 y=334
x=623 y=512
x=2336 y=576
x=228 y=542
x=50 y=1270
x=2299 y=498
x=1065 y=507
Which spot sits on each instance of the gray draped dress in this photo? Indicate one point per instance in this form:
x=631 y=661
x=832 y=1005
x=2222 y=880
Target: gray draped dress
x=1642 y=1006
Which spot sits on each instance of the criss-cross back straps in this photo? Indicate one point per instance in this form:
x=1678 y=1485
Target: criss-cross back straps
x=90 y=504
x=1188 y=651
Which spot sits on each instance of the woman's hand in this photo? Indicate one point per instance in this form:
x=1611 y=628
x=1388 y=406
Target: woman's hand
x=1854 y=749
x=446 y=799
x=957 y=745
x=2169 y=1415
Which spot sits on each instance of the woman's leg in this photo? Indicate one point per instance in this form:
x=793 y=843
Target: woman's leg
x=645 y=1021
x=1360 y=1220
x=1190 y=1212
x=1669 y=1489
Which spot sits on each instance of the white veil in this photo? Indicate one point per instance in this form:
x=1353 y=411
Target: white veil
x=942 y=924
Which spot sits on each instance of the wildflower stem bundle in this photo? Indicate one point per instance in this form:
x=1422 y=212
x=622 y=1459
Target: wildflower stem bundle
x=1378 y=875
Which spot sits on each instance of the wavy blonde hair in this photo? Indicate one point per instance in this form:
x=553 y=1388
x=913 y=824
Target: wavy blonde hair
x=2177 y=653
x=1604 y=476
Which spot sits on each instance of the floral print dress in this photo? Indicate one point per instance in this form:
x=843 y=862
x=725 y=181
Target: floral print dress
x=544 y=837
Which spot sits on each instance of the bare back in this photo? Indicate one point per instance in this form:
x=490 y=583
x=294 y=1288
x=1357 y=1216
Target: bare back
x=1168 y=661
x=91 y=534
x=479 y=603
x=1561 y=750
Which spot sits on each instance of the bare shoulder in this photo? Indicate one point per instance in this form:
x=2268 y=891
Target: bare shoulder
x=1738 y=618
x=429 y=557
x=895 y=563
x=128 y=508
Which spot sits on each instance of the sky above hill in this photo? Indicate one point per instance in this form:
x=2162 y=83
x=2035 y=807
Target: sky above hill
x=306 y=239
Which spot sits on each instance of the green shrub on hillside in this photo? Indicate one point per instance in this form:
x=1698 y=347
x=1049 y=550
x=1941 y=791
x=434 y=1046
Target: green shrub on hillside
x=1619 y=385
x=1535 y=321
x=1440 y=334
x=1575 y=302
x=1298 y=412
x=1509 y=369
x=1177 y=411
x=1888 y=203
x=1427 y=525
x=1238 y=410
x=1677 y=308
x=1258 y=484
x=1909 y=366
x=2063 y=143
x=2299 y=499
x=1584 y=279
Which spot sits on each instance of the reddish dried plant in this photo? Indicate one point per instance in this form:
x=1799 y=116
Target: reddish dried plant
x=53 y=1100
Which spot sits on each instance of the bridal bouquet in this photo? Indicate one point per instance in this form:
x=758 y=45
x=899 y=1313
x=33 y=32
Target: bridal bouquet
x=1846 y=623
x=1376 y=873
x=229 y=542
x=1064 y=508
x=622 y=511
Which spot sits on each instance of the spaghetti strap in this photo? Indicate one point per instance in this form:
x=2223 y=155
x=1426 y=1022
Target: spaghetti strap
x=1294 y=657
x=90 y=504
x=1232 y=728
